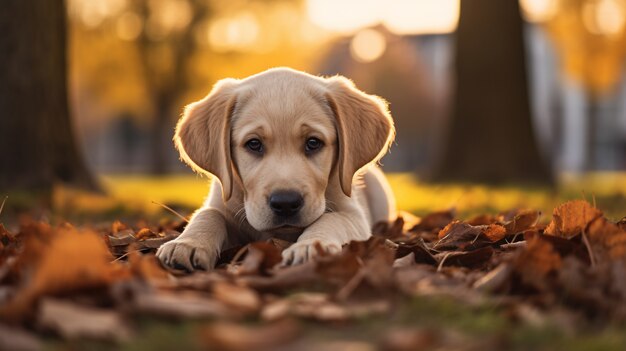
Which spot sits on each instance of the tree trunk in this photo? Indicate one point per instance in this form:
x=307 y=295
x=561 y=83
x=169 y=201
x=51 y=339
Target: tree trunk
x=37 y=144
x=490 y=138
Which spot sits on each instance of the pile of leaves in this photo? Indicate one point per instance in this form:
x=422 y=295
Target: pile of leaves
x=76 y=283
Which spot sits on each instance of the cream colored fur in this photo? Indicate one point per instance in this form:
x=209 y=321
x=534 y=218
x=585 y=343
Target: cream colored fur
x=344 y=191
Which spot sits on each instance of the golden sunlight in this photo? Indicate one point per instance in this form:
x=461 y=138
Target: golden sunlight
x=604 y=17
x=539 y=10
x=422 y=16
x=128 y=26
x=403 y=17
x=234 y=33
x=345 y=16
x=367 y=45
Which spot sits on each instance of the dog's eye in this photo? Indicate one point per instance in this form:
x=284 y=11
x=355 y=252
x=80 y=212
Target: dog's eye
x=312 y=145
x=255 y=145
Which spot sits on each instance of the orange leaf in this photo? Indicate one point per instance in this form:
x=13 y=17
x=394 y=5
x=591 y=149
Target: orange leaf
x=571 y=218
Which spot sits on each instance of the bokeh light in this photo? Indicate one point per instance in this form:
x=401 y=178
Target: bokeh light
x=128 y=26
x=421 y=16
x=367 y=45
x=604 y=17
x=539 y=10
x=345 y=16
x=402 y=17
x=234 y=33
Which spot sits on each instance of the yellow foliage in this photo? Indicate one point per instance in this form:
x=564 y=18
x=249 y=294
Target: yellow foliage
x=590 y=36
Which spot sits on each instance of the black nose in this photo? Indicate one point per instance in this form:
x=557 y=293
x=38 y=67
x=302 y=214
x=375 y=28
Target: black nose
x=286 y=203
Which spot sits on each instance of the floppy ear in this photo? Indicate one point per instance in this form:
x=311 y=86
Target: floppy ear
x=203 y=134
x=364 y=126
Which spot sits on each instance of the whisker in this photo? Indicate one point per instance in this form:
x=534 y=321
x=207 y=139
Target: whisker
x=240 y=216
x=329 y=205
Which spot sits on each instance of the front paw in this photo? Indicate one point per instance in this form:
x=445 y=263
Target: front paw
x=305 y=250
x=187 y=255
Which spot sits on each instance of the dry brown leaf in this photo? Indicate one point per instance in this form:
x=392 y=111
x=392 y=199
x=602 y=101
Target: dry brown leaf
x=156 y=242
x=146 y=267
x=405 y=339
x=536 y=262
x=235 y=337
x=240 y=297
x=261 y=258
x=121 y=238
x=145 y=233
x=494 y=232
x=15 y=339
x=181 y=305
x=317 y=306
x=470 y=259
x=72 y=261
x=73 y=321
x=291 y=277
x=607 y=239
x=572 y=218
x=419 y=251
x=460 y=235
x=494 y=279
x=521 y=220
x=405 y=261
x=434 y=221
x=389 y=230
x=118 y=226
x=483 y=219
x=622 y=223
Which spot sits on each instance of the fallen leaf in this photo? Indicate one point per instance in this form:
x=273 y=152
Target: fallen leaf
x=146 y=267
x=181 y=305
x=410 y=339
x=15 y=339
x=434 y=221
x=608 y=240
x=235 y=337
x=494 y=279
x=386 y=230
x=408 y=260
x=483 y=219
x=261 y=258
x=460 y=235
x=536 y=262
x=72 y=261
x=239 y=297
x=521 y=220
x=419 y=251
x=145 y=233
x=121 y=238
x=470 y=259
x=572 y=218
x=287 y=278
x=73 y=321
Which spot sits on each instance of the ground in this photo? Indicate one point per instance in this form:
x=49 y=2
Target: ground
x=561 y=296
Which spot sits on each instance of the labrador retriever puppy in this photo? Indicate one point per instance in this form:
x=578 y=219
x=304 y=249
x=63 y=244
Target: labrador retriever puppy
x=295 y=158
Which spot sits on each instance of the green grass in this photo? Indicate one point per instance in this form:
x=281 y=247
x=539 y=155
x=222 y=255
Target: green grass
x=135 y=194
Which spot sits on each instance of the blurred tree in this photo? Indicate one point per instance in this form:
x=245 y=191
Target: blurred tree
x=166 y=47
x=590 y=36
x=37 y=146
x=491 y=138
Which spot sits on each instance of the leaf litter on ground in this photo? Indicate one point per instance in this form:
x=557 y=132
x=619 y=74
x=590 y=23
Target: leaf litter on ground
x=89 y=283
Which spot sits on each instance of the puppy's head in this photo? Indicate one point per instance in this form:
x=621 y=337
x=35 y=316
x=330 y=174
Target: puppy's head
x=282 y=136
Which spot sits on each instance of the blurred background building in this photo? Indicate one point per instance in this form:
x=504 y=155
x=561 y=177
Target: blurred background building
x=134 y=64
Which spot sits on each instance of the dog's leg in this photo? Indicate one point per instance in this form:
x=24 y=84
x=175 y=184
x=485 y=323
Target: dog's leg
x=198 y=247
x=331 y=231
